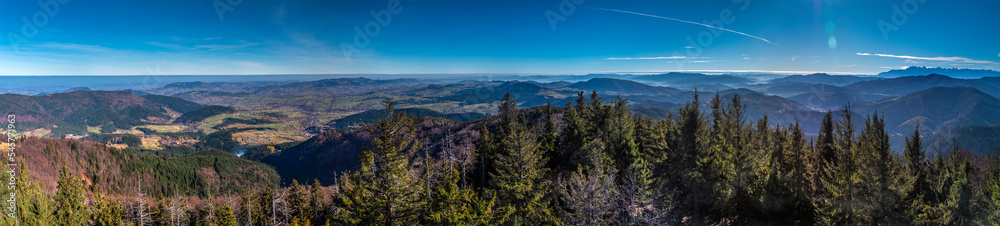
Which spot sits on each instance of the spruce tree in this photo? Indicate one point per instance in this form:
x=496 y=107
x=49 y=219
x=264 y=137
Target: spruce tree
x=687 y=171
x=575 y=135
x=106 y=211
x=597 y=115
x=919 y=193
x=224 y=216
x=619 y=136
x=548 y=143
x=798 y=207
x=825 y=142
x=71 y=208
x=845 y=202
x=297 y=201
x=486 y=153
x=317 y=202
x=264 y=207
x=991 y=192
x=881 y=173
x=384 y=190
x=960 y=206
x=826 y=148
x=33 y=204
x=451 y=205
x=520 y=172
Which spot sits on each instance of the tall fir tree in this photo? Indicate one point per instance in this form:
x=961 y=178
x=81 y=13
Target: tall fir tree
x=575 y=135
x=384 y=191
x=991 y=191
x=298 y=201
x=844 y=203
x=106 y=211
x=224 y=216
x=70 y=202
x=520 y=172
x=451 y=205
x=960 y=204
x=317 y=203
x=263 y=210
x=826 y=147
x=880 y=173
x=548 y=143
x=919 y=192
x=686 y=172
x=619 y=136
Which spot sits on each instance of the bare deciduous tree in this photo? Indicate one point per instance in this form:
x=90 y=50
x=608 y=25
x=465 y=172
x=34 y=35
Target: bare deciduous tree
x=590 y=196
x=178 y=210
x=138 y=213
x=637 y=208
x=280 y=211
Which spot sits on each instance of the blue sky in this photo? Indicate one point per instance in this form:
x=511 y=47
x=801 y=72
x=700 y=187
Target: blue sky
x=224 y=37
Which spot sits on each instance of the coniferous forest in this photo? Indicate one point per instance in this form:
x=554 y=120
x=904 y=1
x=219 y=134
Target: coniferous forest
x=590 y=162
x=499 y=112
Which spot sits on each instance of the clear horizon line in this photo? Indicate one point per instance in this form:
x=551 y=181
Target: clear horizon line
x=472 y=74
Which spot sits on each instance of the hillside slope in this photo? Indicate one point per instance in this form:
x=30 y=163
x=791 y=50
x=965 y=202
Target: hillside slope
x=73 y=112
x=937 y=108
x=909 y=84
x=114 y=171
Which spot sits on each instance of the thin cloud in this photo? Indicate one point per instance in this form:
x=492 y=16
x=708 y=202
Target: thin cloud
x=651 y=58
x=74 y=47
x=164 y=45
x=946 y=59
x=186 y=45
x=684 y=21
x=222 y=47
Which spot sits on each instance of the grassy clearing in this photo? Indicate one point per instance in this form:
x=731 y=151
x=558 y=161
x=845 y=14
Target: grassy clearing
x=151 y=142
x=164 y=128
x=255 y=137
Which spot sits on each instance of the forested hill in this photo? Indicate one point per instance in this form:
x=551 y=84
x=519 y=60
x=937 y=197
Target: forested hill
x=108 y=170
x=336 y=151
x=108 y=111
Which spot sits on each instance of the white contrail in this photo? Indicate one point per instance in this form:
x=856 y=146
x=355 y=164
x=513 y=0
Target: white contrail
x=679 y=20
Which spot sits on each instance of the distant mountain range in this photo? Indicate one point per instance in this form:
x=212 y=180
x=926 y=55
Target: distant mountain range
x=953 y=72
x=620 y=86
x=686 y=79
x=909 y=84
x=936 y=108
x=945 y=101
x=821 y=78
x=526 y=94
